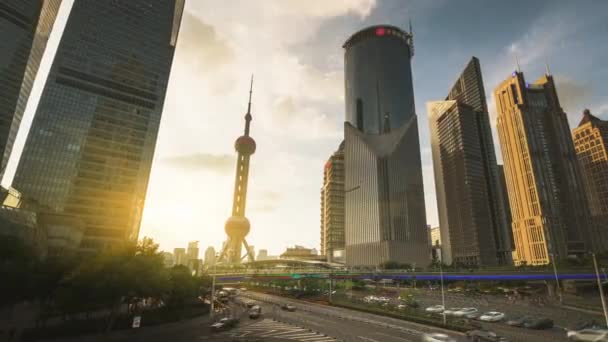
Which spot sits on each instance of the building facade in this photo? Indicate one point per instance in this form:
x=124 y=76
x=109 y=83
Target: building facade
x=591 y=144
x=25 y=26
x=469 y=200
x=549 y=210
x=332 y=206
x=210 y=257
x=385 y=216
x=180 y=257
x=436 y=236
x=92 y=157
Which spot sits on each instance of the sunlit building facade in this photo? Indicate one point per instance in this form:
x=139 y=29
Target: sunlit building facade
x=469 y=201
x=332 y=206
x=591 y=144
x=385 y=216
x=91 y=143
x=25 y=26
x=548 y=205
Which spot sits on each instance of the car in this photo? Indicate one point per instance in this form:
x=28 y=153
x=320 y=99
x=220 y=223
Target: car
x=437 y=337
x=435 y=309
x=485 y=336
x=243 y=289
x=288 y=307
x=591 y=335
x=519 y=321
x=254 y=314
x=451 y=311
x=464 y=311
x=492 y=316
x=539 y=323
x=250 y=304
x=218 y=326
x=401 y=306
x=474 y=315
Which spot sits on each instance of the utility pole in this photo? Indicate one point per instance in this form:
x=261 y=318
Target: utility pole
x=557 y=288
x=599 y=285
x=442 y=293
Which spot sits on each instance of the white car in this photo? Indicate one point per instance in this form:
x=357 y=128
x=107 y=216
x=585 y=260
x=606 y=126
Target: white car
x=435 y=309
x=451 y=311
x=591 y=335
x=464 y=311
x=492 y=316
x=437 y=337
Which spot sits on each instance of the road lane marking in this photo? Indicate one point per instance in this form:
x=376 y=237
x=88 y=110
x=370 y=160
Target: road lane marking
x=367 y=339
x=391 y=336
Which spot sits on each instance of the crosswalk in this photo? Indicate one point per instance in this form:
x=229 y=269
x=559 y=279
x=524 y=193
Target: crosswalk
x=280 y=331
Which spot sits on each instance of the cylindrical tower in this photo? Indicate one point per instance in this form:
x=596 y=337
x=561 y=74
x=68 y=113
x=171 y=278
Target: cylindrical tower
x=378 y=78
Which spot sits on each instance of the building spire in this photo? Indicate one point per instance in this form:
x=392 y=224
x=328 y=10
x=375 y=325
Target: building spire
x=248 y=115
x=517 y=62
x=547 y=71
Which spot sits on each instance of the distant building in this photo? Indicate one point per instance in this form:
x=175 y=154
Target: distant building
x=92 y=139
x=210 y=257
x=332 y=205
x=192 y=251
x=168 y=259
x=435 y=236
x=385 y=217
x=180 y=257
x=471 y=216
x=301 y=253
x=550 y=213
x=262 y=255
x=591 y=144
x=25 y=26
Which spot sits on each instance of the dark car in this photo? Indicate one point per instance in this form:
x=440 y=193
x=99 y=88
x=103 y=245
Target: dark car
x=539 y=323
x=518 y=322
x=485 y=336
x=224 y=324
x=254 y=314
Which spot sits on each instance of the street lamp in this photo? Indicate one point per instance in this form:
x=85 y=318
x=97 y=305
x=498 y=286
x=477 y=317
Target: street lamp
x=558 y=288
x=599 y=286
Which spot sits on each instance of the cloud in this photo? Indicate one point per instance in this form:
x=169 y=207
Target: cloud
x=324 y=8
x=219 y=163
x=573 y=96
x=201 y=46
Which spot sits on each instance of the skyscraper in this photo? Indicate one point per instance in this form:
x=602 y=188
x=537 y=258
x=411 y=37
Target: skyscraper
x=91 y=143
x=332 y=205
x=591 y=144
x=209 y=257
x=192 y=250
x=385 y=216
x=548 y=207
x=179 y=256
x=25 y=26
x=469 y=201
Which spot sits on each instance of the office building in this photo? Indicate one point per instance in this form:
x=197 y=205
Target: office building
x=436 y=236
x=301 y=253
x=25 y=26
x=385 y=216
x=505 y=202
x=168 y=261
x=192 y=250
x=591 y=145
x=550 y=217
x=332 y=205
x=209 y=257
x=92 y=157
x=180 y=257
x=469 y=201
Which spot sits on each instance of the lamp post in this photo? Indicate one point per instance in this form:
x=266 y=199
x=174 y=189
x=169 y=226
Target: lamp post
x=558 y=288
x=442 y=292
x=599 y=285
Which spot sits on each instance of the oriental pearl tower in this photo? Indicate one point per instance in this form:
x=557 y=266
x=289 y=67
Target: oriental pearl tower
x=237 y=226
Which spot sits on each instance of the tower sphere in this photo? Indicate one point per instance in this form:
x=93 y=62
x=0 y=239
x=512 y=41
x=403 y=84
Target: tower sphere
x=237 y=226
x=245 y=145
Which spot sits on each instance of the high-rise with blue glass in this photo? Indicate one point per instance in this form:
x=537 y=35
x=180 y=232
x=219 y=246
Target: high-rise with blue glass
x=385 y=218
x=90 y=147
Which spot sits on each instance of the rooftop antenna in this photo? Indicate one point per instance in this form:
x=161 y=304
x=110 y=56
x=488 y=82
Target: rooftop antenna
x=248 y=115
x=547 y=71
x=411 y=38
x=517 y=62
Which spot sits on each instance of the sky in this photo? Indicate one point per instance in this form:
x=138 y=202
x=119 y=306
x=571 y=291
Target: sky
x=294 y=49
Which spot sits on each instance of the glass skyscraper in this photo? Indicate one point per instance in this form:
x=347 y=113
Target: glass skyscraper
x=25 y=26
x=385 y=217
x=469 y=197
x=90 y=147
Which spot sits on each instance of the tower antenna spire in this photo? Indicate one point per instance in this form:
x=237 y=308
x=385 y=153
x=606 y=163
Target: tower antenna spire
x=517 y=62
x=547 y=71
x=248 y=115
